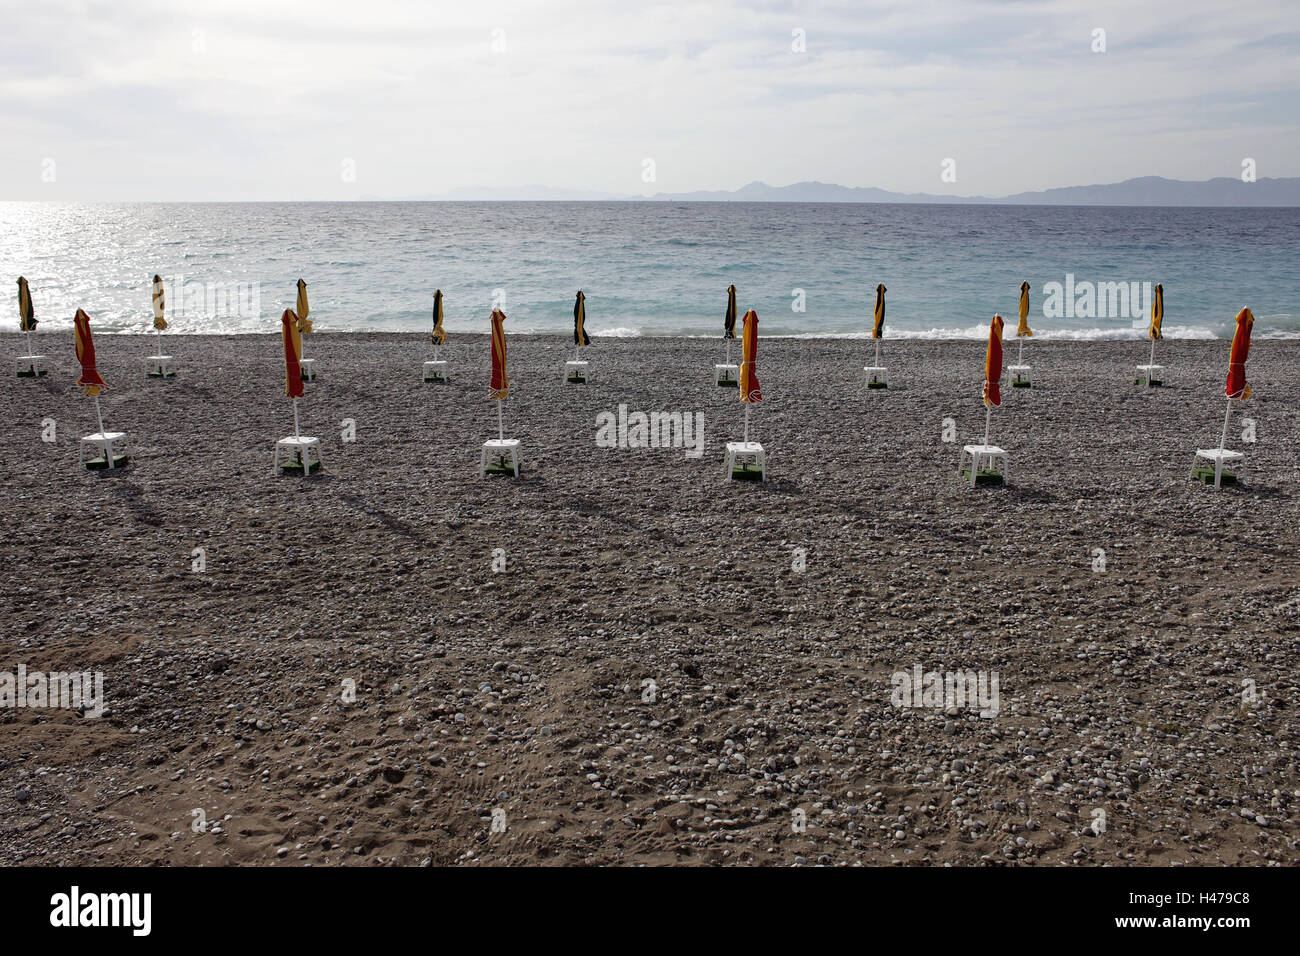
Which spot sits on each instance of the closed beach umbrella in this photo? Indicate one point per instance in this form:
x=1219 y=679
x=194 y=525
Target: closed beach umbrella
x=993 y=364
x=580 y=336
x=878 y=327
x=1157 y=313
x=26 y=313
x=292 y=354
x=301 y=308
x=749 y=389
x=992 y=377
x=1023 y=330
x=729 y=330
x=89 y=377
x=500 y=385
x=439 y=337
x=1236 y=386
x=1154 y=333
x=159 y=304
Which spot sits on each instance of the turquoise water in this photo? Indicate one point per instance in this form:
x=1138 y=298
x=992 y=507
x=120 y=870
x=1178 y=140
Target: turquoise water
x=655 y=268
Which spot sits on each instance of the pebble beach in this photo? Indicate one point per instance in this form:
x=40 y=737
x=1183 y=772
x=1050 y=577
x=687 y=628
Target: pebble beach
x=623 y=658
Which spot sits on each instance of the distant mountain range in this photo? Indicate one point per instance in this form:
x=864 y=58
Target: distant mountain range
x=1143 y=191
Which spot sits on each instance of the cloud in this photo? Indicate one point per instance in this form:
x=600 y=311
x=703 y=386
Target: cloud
x=231 y=99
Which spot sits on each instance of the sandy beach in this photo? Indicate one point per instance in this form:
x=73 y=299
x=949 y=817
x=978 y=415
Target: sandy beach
x=770 y=618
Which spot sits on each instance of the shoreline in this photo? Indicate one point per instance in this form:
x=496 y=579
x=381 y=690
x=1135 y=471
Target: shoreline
x=975 y=334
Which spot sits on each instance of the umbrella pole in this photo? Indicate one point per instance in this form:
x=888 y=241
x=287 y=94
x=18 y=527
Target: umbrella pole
x=99 y=416
x=1153 y=357
x=1021 y=359
x=295 y=418
x=501 y=428
x=877 y=353
x=29 y=340
x=728 y=351
x=747 y=423
x=1223 y=436
x=988 y=414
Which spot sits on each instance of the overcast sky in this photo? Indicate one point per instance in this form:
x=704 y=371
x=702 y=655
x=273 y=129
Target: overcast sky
x=261 y=99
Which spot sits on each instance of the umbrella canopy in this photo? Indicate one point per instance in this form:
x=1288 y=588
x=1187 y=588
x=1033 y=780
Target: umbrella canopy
x=159 y=304
x=302 y=309
x=89 y=377
x=26 y=314
x=1237 y=387
x=439 y=337
x=500 y=385
x=749 y=389
x=1023 y=330
x=729 y=323
x=878 y=330
x=580 y=336
x=993 y=364
x=1157 y=313
x=291 y=332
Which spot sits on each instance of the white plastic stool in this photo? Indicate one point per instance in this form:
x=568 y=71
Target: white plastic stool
x=160 y=365
x=746 y=453
x=989 y=454
x=727 y=374
x=1019 y=376
x=30 y=365
x=575 y=372
x=500 y=448
x=876 y=377
x=300 y=446
x=102 y=443
x=308 y=369
x=1219 y=456
x=1147 y=373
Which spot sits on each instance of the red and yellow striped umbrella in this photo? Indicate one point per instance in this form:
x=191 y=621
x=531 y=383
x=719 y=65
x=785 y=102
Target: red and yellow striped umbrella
x=993 y=364
x=500 y=385
x=878 y=329
x=159 y=304
x=1236 y=386
x=1157 y=313
x=749 y=388
x=89 y=378
x=729 y=320
x=292 y=336
x=1023 y=330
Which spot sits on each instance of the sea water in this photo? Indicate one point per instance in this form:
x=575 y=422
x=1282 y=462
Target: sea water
x=657 y=268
